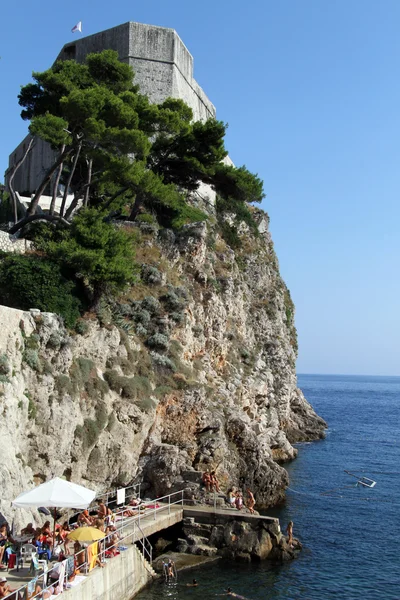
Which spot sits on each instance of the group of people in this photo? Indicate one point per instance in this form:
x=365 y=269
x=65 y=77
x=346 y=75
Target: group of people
x=210 y=481
x=235 y=500
x=234 y=497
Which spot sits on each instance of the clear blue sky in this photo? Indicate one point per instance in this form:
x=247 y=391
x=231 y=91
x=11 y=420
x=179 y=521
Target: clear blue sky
x=311 y=92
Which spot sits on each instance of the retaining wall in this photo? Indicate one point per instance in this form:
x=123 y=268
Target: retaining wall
x=10 y=243
x=123 y=577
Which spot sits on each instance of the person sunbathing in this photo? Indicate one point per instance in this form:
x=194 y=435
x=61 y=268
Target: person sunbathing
x=112 y=540
x=84 y=518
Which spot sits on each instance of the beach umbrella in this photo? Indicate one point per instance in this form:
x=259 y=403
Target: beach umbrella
x=56 y=493
x=86 y=534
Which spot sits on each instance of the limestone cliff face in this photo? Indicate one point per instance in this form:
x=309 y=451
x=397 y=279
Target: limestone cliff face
x=193 y=368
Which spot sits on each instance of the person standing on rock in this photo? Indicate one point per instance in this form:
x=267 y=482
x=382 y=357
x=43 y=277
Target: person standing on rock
x=207 y=480
x=289 y=531
x=250 y=501
x=214 y=482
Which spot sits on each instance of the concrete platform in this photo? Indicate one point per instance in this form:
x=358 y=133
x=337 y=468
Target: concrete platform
x=207 y=514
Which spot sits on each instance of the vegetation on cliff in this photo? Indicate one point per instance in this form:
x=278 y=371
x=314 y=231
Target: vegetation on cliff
x=127 y=159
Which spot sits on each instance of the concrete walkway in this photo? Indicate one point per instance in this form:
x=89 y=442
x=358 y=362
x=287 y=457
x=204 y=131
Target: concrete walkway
x=150 y=521
x=207 y=514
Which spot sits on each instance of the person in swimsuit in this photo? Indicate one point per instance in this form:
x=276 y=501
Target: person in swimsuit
x=239 y=501
x=289 y=531
x=207 y=480
x=250 y=501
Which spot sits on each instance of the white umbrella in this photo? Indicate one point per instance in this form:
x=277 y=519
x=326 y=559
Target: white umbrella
x=56 y=493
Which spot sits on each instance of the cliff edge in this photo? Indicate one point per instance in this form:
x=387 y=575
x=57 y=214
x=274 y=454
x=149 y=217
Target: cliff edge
x=192 y=368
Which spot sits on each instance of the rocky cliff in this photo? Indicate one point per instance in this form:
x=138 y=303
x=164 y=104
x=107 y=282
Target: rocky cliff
x=193 y=368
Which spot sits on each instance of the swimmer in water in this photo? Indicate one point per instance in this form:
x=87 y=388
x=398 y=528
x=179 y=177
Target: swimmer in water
x=230 y=593
x=193 y=584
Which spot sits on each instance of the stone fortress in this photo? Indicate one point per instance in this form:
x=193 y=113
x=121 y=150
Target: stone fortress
x=163 y=68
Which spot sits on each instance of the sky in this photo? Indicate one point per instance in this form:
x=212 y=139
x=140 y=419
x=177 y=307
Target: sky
x=311 y=92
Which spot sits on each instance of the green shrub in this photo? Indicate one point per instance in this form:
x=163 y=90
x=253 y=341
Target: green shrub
x=146 y=218
x=32 y=282
x=158 y=340
x=143 y=317
x=86 y=367
x=171 y=301
x=113 y=379
x=32 y=409
x=230 y=234
x=177 y=317
x=125 y=309
x=151 y=275
x=96 y=386
x=146 y=404
x=81 y=326
x=64 y=385
x=47 y=368
x=93 y=247
x=182 y=293
x=134 y=387
x=151 y=304
x=31 y=358
x=4 y=365
x=101 y=415
x=88 y=432
x=54 y=341
x=140 y=330
x=163 y=390
x=163 y=361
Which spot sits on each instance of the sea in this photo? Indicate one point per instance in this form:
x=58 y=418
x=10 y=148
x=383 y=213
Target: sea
x=350 y=533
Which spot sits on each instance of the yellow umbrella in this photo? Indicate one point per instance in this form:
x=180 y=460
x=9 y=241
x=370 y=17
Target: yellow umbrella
x=86 y=534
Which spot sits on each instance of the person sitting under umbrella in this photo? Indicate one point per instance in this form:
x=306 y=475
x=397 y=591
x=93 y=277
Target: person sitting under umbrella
x=28 y=530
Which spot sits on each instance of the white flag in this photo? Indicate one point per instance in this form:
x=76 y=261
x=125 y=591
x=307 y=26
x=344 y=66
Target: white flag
x=78 y=27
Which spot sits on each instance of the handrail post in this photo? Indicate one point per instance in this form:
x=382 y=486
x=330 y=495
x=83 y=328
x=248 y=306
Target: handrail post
x=169 y=505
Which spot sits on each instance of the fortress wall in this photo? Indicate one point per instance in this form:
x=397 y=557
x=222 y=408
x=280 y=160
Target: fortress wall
x=32 y=171
x=116 y=38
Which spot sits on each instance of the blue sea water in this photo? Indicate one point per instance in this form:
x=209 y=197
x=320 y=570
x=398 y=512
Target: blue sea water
x=350 y=534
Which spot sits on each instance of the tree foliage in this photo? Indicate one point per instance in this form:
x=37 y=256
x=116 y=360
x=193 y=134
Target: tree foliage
x=93 y=249
x=31 y=282
x=112 y=140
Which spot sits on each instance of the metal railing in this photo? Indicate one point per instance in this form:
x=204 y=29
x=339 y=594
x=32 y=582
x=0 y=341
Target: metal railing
x=155 y=507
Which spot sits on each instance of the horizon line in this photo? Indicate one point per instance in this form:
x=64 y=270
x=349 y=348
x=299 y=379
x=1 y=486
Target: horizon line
x=346 y=375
